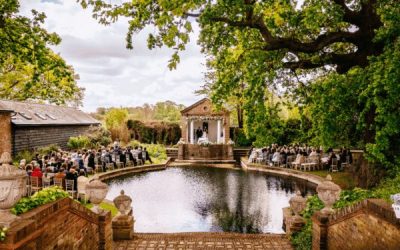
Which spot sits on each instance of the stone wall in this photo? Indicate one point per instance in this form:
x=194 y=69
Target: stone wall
x=211 y=152
x=28 y=138
x=370 y=224
x=5 y=132
x=64 y=224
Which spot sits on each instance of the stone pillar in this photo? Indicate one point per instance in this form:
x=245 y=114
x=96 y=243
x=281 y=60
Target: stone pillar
x=218 y=131
x=191 y=135
x=123 y=223
x=105 y=231
x=319 y=231
x=5 y=132
x=180 y=151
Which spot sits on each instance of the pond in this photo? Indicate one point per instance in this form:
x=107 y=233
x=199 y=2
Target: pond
x=205 y=199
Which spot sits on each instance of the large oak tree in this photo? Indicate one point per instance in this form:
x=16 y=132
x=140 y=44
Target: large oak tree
x=284 y=46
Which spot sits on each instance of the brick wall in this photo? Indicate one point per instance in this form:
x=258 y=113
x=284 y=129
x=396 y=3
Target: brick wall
x=370 y=224
x=27 y=138
x=211 y=152
x=64 y=224
x=5 y=132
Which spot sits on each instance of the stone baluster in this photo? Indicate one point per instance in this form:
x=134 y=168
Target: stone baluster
x=12 y=188
x=329 y=193
x=294 y=223
x=123 y=223
x=96 y=191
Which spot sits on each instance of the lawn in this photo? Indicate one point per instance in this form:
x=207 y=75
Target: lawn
x=343 y=179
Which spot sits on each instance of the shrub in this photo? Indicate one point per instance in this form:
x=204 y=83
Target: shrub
x=48 y=149
x=42 y=197
x=26 y=154
x=99 y=136
x=78 y=142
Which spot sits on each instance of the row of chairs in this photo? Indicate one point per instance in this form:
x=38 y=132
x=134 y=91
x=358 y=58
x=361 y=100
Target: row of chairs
x=34 y=184
x=311 y=163
x=112 y=166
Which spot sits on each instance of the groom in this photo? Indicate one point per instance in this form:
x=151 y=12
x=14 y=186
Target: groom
x=199 y=133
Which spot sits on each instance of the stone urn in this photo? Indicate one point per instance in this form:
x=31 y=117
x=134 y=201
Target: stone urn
x=297 y=204
x=96 y=191
x=329 y=193
x=123 y=203
x=12 y=188
x=396 y=205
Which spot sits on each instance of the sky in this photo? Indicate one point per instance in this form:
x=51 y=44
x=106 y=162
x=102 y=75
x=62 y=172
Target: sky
x=112 y=75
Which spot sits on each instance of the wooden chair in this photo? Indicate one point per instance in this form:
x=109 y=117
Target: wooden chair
x=334 y=165
x=35 y=184
x=70 y=188
x=110 y=166
x=89 y=170
x=99 y=168
x=345 y=164
x=59 y=182
x=28 y=190
x=46 y=182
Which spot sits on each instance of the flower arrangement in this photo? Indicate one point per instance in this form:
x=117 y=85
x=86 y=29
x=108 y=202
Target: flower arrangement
x=205 y=143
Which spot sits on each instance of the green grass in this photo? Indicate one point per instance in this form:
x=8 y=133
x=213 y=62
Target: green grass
x=343 y=179
x=105 y=206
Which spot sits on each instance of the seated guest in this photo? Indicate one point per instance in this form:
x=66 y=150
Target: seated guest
x=72 y=175
x=29 y=169
x=276 y=157
x=22 y=164
x=60 y=174
x=37 y=172
x=146 y=156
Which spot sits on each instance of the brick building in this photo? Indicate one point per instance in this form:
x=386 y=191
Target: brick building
x=25 y=126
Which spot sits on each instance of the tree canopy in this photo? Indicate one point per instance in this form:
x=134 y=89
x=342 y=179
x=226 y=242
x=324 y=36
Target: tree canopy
x=29 y=69
x=334 y=59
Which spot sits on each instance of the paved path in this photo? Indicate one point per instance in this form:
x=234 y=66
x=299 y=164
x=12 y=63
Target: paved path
x=186 y=241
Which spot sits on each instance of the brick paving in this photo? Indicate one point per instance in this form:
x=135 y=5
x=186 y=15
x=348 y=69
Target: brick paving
x=192 y=241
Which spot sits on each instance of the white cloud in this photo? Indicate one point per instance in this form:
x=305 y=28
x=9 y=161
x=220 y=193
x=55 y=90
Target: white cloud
x=112 y=74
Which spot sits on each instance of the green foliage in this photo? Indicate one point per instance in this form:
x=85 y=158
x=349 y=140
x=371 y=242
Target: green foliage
x=115 y=117
x=157 y=152
x=313 y=204
x=78 y=142
x=167 y=111
x=154 y=132
x=25 y=154
x=239 y=137
x=99 y=136
x=48 y=149
x=42 y=197
x=29 y=69
x=303 y=239
x=3 y=233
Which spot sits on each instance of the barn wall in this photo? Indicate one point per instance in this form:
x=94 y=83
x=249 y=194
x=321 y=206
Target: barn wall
x=28 y=138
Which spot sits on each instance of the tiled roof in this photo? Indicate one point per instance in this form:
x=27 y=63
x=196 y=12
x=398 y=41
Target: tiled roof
x=34 y=114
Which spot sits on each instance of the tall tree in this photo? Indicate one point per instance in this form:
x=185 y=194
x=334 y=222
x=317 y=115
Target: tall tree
x=29 y=69
x=276 y=44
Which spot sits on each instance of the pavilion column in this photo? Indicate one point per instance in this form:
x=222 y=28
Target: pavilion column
x=191 y=132
x=218 y=131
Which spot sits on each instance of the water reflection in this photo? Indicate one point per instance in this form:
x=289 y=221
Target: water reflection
x=200 y=199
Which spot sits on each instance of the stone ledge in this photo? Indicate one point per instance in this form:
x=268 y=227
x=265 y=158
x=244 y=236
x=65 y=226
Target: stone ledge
x=130 y=170
x=283 y=172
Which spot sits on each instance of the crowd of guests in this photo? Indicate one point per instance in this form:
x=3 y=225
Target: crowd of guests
x=298 y=154
x=75 y=164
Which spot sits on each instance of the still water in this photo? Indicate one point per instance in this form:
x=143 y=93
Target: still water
x=202 y=199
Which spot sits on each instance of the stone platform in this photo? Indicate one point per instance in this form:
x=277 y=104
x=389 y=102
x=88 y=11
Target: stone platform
x=185 y=241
